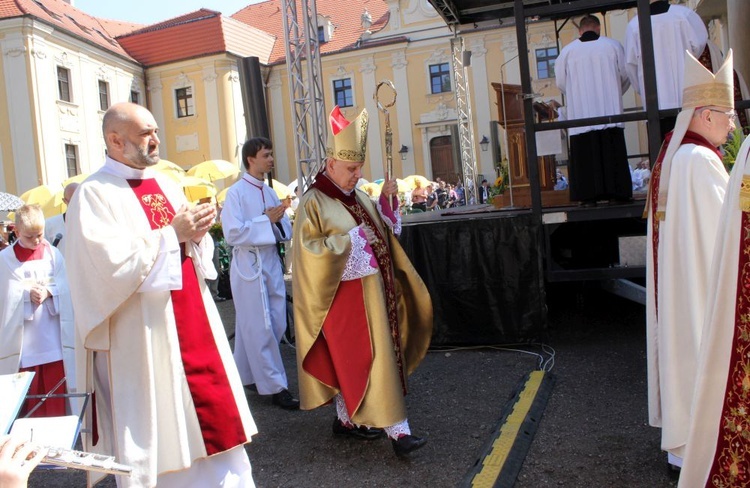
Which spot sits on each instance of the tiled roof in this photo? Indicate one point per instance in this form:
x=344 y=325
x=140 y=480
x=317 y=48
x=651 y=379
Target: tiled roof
x=345 y=16
x=118 y=27
x=65 y=17
x=8 y=8
x=196 y=34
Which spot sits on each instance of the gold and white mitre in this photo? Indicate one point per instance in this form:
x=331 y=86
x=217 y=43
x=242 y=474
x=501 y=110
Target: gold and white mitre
x=348 y=140
x=701 y=89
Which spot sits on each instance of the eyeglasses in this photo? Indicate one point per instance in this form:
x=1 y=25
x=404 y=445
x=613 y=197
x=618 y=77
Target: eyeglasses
x=732 y=115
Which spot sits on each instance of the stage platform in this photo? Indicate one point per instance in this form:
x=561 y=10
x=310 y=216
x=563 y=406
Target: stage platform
x=486 y=268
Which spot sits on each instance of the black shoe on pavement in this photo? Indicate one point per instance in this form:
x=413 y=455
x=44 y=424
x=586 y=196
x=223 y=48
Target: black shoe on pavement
x=285 y=400
x=406 y=444
x=361 y=433
x=673 y=471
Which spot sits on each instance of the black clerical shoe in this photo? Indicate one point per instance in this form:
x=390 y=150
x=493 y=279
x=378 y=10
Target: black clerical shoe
x=407 y=443
x=673 y=471
x=285 y=400
x=362 y=433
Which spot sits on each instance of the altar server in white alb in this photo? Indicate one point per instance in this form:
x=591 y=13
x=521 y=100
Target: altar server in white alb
x=37 y=332
x=718 y=450
x=675 y=29
x=687 y=190
x=254 y=222
x=591 y=73
x=169 y=401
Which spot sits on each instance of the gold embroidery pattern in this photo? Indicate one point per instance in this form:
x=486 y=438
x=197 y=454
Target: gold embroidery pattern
x=364 y=120
x=719 y=94
x=157 y=204
x=655 y=179
x=745 y=194
x=731 y=464
x=346 y=154
x=383 y=257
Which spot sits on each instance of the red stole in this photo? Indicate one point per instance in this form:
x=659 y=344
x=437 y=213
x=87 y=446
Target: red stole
x=653 y=195
x=731 y=463
x=218 y=416
x=345 y=328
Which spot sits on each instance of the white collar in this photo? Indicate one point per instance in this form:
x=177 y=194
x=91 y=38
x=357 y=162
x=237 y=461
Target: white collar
x=252 y=179
x=116 y=168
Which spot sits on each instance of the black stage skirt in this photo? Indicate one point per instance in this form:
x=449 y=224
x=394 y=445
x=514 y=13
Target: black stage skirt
x=599 y=166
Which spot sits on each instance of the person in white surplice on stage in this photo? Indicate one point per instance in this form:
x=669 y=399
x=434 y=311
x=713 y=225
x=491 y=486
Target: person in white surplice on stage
x=254 y=221
x=675 y=29
x=168 y=399
x=591 y=73
x=688 y=183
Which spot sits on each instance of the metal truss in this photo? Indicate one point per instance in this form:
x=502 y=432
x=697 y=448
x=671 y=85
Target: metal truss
x=447 y=10
x=465 y=124
x=305 y=87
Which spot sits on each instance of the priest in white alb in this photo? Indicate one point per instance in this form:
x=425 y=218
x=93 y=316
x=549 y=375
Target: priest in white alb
x=687 y=190
x=591 y=73
x=168 y=398
x=675 y=29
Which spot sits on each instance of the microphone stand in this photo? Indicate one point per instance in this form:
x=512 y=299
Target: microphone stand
x=505 y=131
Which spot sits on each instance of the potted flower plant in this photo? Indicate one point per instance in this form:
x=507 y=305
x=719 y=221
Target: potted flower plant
x=497 y=190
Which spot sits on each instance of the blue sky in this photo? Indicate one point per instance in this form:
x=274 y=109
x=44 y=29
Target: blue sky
x=152 y=11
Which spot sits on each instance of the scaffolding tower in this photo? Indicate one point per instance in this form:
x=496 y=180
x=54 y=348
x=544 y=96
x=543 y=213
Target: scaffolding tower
x=465 y=122
x=305 y=87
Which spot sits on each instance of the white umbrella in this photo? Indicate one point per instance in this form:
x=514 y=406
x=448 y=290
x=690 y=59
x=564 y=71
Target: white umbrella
x=9 y=203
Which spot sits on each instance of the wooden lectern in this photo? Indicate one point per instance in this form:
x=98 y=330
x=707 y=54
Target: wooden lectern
x=512 y=120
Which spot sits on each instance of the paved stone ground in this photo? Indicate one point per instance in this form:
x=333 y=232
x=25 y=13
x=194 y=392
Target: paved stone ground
x=593 y=433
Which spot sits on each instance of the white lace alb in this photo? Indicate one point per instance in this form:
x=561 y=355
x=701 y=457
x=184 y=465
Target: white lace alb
x=395 y=226
x=397 y=430
x=394 y=431
x=358 y=263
